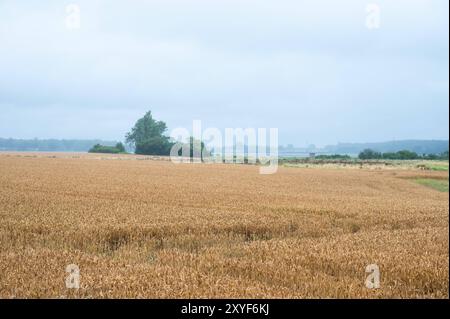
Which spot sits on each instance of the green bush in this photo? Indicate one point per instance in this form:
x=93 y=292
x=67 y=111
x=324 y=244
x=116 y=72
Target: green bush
x=97 y=148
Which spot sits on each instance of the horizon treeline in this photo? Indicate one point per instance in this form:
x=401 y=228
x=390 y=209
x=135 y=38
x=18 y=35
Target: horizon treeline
x=51 y=145
x=401 y=155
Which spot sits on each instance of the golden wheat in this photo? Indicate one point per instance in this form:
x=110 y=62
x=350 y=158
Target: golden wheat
x=147 y=228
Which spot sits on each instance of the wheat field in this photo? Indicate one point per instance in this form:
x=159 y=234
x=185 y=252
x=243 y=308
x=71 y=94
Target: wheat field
x=147 y=228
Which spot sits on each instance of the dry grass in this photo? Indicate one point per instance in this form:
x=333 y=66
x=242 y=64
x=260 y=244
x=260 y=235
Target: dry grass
x=140 y=228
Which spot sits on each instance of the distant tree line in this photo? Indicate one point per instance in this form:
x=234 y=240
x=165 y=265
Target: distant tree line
x=50 y=145
x=333 y=156
x=418 y=146
x=401 y=155
x=147 y=137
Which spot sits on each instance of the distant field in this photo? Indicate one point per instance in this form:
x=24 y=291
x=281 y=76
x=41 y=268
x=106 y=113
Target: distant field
x=145 y=227
x=427 y=165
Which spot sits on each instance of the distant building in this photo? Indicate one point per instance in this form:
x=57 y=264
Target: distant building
x=312 y=155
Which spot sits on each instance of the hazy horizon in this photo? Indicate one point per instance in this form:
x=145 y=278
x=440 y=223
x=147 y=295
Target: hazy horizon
x=312 y=69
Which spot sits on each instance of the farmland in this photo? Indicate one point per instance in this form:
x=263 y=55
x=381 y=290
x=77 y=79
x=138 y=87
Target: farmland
x=147 y=228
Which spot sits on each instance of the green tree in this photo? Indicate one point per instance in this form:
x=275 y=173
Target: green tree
x=120 y=147
x=147 y=136
x=390 y=155
x=98 y=148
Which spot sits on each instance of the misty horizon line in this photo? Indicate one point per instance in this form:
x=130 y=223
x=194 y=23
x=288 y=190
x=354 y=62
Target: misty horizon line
x=283 y=145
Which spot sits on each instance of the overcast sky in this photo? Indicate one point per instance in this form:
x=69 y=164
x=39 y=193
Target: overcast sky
x=313 y=69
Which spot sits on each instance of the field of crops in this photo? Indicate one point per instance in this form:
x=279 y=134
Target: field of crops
x=137 y=227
